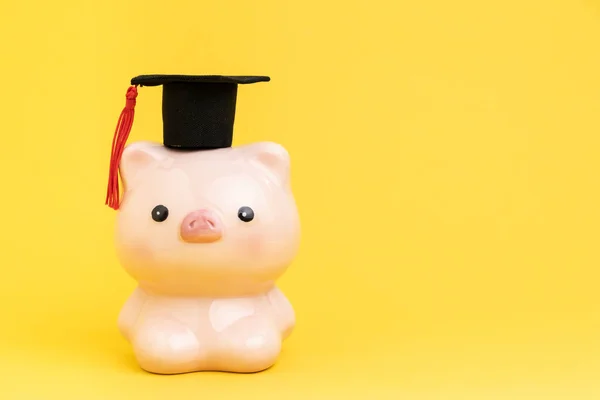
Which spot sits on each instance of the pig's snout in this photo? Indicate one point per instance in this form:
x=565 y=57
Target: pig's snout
x=201 y=226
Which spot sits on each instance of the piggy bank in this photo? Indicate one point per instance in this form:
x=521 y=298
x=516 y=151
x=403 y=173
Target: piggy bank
x=206 y=234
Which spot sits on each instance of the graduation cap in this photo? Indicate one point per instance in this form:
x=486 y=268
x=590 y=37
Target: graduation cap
x=198 y=112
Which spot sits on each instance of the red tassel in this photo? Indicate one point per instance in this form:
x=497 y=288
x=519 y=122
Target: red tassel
x=118 y=145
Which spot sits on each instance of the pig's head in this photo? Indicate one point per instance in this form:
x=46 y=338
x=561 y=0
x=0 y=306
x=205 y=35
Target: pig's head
x=213 y=222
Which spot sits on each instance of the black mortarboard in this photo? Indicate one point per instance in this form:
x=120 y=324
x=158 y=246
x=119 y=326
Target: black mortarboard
x=198 y=112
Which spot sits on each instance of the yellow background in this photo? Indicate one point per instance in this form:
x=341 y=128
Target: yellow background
x=445 y=162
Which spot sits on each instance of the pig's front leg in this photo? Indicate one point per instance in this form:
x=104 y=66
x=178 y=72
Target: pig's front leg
x=251 y=344
x=130 y=312
x=163 y=345
x=284 y=314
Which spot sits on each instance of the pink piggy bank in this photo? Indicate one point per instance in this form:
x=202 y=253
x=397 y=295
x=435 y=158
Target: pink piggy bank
x=206 y=234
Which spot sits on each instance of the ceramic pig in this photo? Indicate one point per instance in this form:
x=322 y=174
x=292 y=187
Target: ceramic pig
x=206 y=234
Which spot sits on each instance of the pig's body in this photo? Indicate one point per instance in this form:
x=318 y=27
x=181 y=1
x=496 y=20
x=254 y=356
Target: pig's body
x=175 y=335
x=206 y=234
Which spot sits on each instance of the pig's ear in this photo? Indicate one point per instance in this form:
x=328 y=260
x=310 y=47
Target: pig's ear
x=138 y=157
x=274 y=157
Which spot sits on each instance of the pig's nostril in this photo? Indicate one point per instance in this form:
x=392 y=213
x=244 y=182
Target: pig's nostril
x=201 y=223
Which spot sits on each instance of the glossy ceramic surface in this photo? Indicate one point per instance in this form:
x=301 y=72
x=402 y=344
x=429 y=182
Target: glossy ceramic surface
x=206 y=234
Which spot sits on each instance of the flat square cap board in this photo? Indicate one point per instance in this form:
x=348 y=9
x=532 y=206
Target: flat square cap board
x=198 y=113
x=155 y=80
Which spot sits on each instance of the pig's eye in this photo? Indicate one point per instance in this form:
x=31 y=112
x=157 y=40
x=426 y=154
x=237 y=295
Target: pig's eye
x=160 y=213
x=246 y=214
